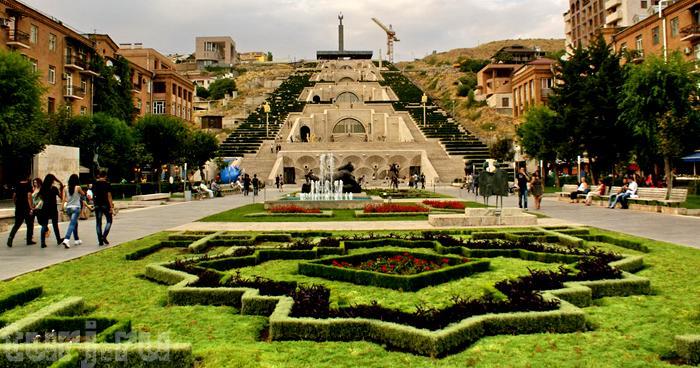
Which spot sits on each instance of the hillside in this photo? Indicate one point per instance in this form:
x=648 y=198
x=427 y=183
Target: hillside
x=436 y=75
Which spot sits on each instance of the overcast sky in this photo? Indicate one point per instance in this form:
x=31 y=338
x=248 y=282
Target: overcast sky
x=297 y=28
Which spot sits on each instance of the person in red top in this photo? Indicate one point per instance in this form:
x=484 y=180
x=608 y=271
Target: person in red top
x=602 y=189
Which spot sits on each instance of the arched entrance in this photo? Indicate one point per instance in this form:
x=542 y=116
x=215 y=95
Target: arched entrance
x=305 y=133
x=349 y=126
x=347 y=97
x=317 y=99
x=346 y=80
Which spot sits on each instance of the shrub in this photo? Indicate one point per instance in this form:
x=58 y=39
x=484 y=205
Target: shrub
x=393 y=208
x=401 y=264
x=329 y=243
x=292 y=208
x=453 y=205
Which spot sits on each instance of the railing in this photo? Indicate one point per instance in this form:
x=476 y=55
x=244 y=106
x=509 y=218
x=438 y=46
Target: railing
x=73 y=91
x=77 y=61
x=16 y=35
x=692 y=29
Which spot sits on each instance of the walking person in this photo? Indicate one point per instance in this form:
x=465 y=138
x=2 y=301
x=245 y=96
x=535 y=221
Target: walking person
x=422 y=181
x=256 y=184
x=246 y=185
x=104 y=206
x=281 y=183
x=536 y=189
x=72 y=202
x=523 y=180
x=49 y=209
x=22 y=198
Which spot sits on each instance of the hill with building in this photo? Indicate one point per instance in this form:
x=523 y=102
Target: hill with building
x=448 y=77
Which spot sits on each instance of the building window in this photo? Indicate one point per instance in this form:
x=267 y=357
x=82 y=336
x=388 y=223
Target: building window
x=174 y=90
x=655 y=35
x=83 y=85
x=34 y=34
x=644 y=4
x=348 y=126
x=52 y=74
x=52 y=42
x=674 y=27
x=51 y=107
x=158 y=87
x=623 y=47
x=172 y=110
x=159 y=107
x=638 y=43
x=505 y=102
x=83 y=110
x=35 y=65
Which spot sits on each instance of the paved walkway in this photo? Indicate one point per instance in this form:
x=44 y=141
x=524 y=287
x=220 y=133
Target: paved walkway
x=684 y=230
x=128 y=225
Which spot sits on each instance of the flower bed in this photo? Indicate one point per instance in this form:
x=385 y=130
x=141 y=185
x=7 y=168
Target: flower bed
x=450 y=205
x=393 y=208
x=291 y=208
x=400 y=264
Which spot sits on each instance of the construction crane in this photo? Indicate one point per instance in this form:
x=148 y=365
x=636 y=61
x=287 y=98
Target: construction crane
x=390 y=39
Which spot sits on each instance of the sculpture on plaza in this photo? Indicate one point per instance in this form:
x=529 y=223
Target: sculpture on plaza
x=394 y=176
x=493 y=182
x=350 y=184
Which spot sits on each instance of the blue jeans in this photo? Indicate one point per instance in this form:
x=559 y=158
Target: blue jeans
x=99 y=211
x=74 y=213
x=622 y=198
x=522 y=198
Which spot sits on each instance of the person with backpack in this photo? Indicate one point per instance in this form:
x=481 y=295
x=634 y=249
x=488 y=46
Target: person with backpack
x=72 y=204
x=22 y=197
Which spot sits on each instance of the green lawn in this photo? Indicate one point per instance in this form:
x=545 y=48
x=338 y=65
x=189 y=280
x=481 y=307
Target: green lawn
x=238 y=215
x=634 y=331
x=692 y=202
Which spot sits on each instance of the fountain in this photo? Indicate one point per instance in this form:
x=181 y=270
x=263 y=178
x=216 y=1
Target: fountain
x=329 y=189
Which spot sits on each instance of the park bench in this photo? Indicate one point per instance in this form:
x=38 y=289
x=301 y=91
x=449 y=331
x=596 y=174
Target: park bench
x=647 y=199
x=151 y=197
x=567 y=189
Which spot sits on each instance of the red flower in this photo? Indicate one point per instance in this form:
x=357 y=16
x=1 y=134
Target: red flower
x=445 y=260
x=455 y=205
x=292 y=208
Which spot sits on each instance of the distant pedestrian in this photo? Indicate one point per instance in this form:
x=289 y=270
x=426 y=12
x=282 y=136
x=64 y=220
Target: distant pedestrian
x=22 y=198
x=522 y=180
x=72 y=202
x=49 y=210
x=246 y=185
x=422 y=181
x=277 y=182
x=281 y=183
x=536 y=189
x=256 y=184
x=104 y=206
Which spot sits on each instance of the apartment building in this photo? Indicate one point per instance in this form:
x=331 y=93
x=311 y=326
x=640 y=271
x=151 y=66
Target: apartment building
x=170 y=93
x=215 y=51
x=677 y=26
x=494 y=81
x=61 y=55
x=532 y=84
x=253 y=57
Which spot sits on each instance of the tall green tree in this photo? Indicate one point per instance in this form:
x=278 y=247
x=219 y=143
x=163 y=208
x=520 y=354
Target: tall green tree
x=22 y=131
x=659 y=107
x=113 y=88
x=200 y=147
x=220 y=87
x=586 y=102
x=164 y=138
x=115 y=145
x=543 y=136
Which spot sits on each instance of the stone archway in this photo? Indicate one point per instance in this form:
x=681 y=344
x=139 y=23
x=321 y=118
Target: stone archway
x=305 y=133
x=346 y=80
x=316 y=99
x=349 y=126
x=347 y=97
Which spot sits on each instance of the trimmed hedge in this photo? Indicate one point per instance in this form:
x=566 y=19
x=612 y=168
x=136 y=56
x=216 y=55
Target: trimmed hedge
x=688 y=348
x=398 y=282
x=277 y=238
x=285 y=214
x=202 y=244
x=150 y=249
x=624 y=243
x=66 y=307
x=141 y=355
x=388 y=242
x=19 y=297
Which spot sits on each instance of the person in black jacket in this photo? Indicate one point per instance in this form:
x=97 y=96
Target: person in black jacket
x=22 y=197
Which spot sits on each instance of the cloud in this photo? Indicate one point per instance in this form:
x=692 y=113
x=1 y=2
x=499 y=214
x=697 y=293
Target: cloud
x=297 y=28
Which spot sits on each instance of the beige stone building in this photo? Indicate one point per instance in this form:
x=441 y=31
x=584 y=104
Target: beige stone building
x=61 y=55
x=348 y=92
x=253 y=57
x=532 y=85
x=215 y=51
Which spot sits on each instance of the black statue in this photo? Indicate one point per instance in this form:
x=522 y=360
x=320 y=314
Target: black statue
x=350 y=185
x=493 y=182
x=306 y=187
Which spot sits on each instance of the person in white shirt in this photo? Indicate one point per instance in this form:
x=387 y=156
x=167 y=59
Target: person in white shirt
x=203 y=188
x=629 y=192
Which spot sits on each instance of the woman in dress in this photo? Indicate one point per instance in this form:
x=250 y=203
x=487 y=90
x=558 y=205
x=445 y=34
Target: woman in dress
x=536 y=189
x=49 y=210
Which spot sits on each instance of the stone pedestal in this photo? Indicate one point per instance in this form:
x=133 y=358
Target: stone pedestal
x=484 y=217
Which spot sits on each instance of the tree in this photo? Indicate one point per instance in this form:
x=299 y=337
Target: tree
x=586 y=102
x=115 y=145
x=502 y=150
x=163 y=137
x=269 y=56
x=220 y=87
x=544 y=137
x=113 y=87
x=200 y=147
x=658 y=108
x=22 y=131
x=202 y=92
x=472 y=65
x=74 y=131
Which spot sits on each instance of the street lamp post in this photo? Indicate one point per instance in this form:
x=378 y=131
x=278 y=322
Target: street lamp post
x=424 y=100
x=266 y=108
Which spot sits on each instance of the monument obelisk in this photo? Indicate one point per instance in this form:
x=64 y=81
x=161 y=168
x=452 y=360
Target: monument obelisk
x=341 y=46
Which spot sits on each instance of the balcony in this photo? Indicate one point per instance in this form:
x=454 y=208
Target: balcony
x=691 y=33
x=73 y=92
x=611 y=4
x=90 y=69
x=18 y=39
x=546 y=92
x=136 y=87
x=76 y=63
x=613 y=17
